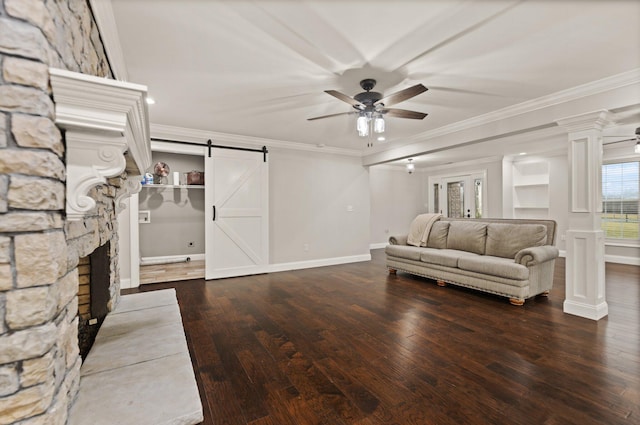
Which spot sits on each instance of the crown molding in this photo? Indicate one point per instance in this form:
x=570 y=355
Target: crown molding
x=106 y=21
x=194 y=135
x=596 y=120
x=107 y=132
x=575 y=93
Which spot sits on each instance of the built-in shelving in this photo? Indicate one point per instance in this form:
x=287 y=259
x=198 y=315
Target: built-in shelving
x=531 y=189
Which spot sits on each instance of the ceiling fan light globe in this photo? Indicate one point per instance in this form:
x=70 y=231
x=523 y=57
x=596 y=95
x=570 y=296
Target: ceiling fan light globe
x=378 y=124
x=637 y=148
x=362 y=125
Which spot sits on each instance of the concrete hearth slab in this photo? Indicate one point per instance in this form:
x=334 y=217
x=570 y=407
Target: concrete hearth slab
x=145 y=300
x=139 y=345
x=139 y=370
x=124 y=323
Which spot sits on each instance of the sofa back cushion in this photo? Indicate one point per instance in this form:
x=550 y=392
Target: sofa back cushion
x=438 y=235
x=467 y=236
x=505 y=240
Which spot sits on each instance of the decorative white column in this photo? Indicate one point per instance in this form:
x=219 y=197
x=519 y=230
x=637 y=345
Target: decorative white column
x=107 y=132
x=585 y=275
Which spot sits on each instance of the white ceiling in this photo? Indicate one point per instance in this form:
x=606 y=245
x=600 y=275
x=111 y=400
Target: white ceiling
x=259 y=68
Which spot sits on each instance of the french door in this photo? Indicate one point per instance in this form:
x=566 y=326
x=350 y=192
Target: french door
x=236 y=213
x=458 y=196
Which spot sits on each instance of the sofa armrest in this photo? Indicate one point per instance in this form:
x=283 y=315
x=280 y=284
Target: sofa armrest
x=536 y=255
x=398 y=240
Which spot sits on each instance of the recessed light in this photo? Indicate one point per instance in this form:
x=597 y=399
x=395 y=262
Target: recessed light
x=150 y=101
x=522 y=153
x=381 y=139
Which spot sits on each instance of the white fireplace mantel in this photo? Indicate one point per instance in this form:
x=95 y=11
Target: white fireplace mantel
x=107 y=132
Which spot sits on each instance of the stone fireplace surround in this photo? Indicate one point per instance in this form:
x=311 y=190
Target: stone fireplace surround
x=106 y=131
x=63 y=177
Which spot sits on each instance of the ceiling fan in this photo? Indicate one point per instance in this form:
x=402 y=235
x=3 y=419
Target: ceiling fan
x=636 y=139
x=371 y=106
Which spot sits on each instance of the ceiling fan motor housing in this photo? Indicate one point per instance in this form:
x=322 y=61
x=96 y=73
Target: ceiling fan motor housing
x=368 y=98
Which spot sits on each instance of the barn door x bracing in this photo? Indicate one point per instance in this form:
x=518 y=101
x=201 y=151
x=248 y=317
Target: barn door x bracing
x=236 y=213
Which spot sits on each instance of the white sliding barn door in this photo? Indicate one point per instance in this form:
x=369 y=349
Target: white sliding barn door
x=236 y=213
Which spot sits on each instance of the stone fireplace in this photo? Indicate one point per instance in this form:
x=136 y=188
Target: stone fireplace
x=69 y=141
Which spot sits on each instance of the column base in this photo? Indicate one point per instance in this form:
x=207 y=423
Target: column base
x=593 y=312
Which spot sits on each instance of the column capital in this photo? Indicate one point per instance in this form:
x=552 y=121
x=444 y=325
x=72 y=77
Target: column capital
x=595 y=120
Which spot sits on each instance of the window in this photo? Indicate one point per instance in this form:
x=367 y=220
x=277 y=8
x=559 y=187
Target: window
x=620 y=200
x=477 y=184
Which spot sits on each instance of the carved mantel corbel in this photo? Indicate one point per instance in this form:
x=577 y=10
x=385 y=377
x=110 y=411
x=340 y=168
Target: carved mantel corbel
x=107 y=132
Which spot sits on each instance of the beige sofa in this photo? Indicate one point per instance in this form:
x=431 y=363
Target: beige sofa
x=513 y=258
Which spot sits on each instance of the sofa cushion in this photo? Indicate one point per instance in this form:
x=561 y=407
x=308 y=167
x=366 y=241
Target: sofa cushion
x=467 y=236
x=420 y=227
x=438 y=235
x=443 y=257
x=404 y=251
x=505 y=240
x=494 y=266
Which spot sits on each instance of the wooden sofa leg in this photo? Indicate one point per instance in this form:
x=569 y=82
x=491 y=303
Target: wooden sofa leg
x=516 y=301
x=441 y=283
x=544 y=294
x=393 y=271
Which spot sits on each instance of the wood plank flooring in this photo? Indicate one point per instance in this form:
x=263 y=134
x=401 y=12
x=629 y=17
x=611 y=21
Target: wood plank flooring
x=158 y=273
x=351 y=344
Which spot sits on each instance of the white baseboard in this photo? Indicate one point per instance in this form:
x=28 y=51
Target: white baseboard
x=618 y=259
x=166 y=259
x=593 y=312
x=299 y=265
x=378 y=245
x=125 y=283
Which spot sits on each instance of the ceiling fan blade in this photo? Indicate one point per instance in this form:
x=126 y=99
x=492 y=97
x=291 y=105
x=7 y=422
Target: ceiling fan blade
x=402 y=95
x=329 y=116
x=403 y=113
x=634 y=139
x=343 y=97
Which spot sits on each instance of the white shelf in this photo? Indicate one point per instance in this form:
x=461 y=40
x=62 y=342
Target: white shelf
x=530 y=185
x=174 y=186
x=531 y=189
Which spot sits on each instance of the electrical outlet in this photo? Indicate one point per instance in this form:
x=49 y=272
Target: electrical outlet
x=191 y=244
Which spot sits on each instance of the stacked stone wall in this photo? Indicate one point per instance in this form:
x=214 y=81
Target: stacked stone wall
x=39 y=248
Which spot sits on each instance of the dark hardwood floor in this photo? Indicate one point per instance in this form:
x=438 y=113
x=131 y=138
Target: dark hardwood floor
x=351 y=344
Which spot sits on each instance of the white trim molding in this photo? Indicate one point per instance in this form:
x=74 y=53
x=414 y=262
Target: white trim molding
x=299 y=265
x=107 y=133
x=106 y=21
x=168 y=259
x=193 y=135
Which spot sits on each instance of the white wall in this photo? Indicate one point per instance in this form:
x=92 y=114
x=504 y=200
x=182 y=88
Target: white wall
x=559 y=195
x=124 y=243
x=309 y=197
x=396 y=198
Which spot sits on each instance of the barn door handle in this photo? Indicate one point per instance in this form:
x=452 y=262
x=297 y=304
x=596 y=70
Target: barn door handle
x=214 y=213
